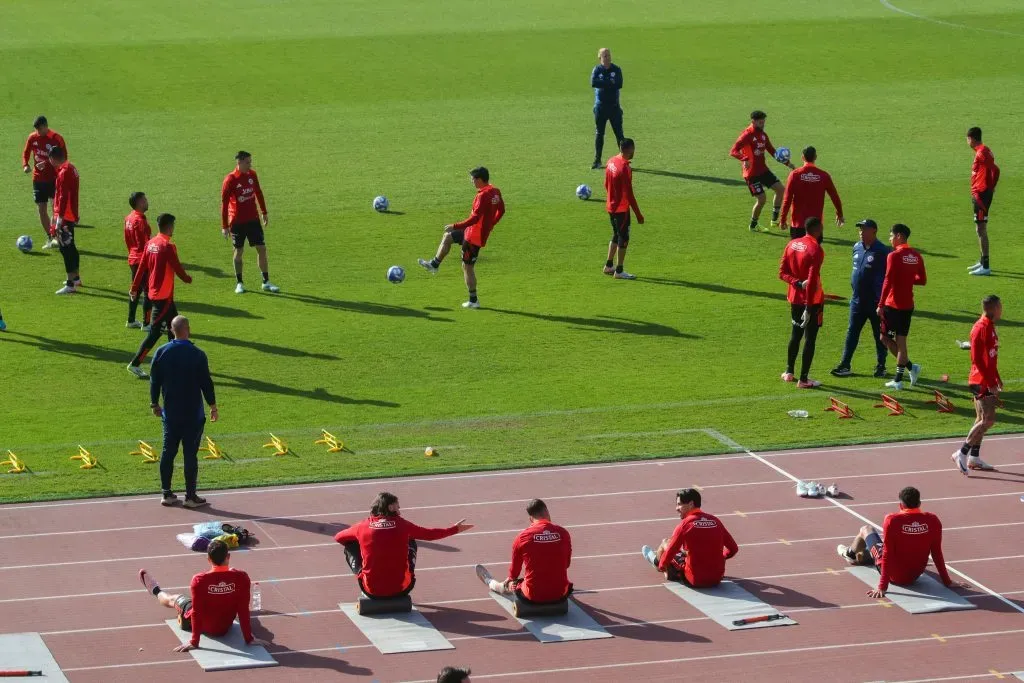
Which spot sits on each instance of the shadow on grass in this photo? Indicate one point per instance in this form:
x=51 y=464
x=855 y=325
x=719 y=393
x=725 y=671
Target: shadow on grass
x=366 y=307
x=316 y=394
x=689 y=176
x=604 y=323
x=263 y=347
x=209 y=271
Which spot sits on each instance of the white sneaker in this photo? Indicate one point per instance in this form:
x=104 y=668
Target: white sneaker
x=239 y=288
x=66 y=290
x=471 y=304
x=624 y=276
x=428 y=266
x=893 y=384
x=649 y=555
x=961 y=461
x=974 y=267
x=982 y=271
x=147 y=328
x=134 y=325
x=978 y=464
x=51 y=244
x=788 y=377
x=844 y=552
x=269 y=286
x=915 y=372
x=138 y=371
x=966 y=345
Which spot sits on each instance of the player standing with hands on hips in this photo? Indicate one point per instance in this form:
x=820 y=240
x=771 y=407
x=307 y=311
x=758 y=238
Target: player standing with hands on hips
x=606 y=80
x=239 y=221
x=618 y=185
x=985 y=384
x=904 y=270
x=749 y=148
x=984 y=176
x=800 y=267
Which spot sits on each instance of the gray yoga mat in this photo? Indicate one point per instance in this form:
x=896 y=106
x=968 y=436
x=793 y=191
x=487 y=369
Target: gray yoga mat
x=27 y=651
x=398 y=632
x=728 y=602
x=924 y=596
x=574 y=625
x=225 y=653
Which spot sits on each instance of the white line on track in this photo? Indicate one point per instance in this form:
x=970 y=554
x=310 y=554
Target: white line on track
x=894 y=8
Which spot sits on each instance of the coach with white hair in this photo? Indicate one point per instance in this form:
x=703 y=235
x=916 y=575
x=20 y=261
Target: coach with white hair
x=606 y=80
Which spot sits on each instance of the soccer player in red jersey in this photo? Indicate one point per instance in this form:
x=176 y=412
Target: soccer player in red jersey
x=984 y=177
x=805 y=195
x=44 y=177
x=699 y=547
x=136 y=233
x=904 y=270
x=750 y=148
x=158 y=267
x=618 y=184
x=901 y=553
x=800 y=267
x=471 y=233
x=381 y=549
x=544 y=551
x=215 y=599
x=65 y=217
x=239 y=221
x=984 y=382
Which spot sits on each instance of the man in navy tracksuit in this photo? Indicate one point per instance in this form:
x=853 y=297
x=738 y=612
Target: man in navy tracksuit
x=869 y=258
x=181 y=373
x=606 y=80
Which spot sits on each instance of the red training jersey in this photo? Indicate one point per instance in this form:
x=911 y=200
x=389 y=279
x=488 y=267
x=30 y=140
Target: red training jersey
x=801 y=262
x=904 y=268
x=488 y=208
x=65 y=199
x=750 y=147
x=984 y=172
x=985 y=355
x=908 y=537
x=238 y=196
x=708 y=544
x=618 y=185
x=38 y=148
x=218 y=596
x=805 y=195
x=136 y=233
x=544 y=549
x=384 y=545
x=160 y=264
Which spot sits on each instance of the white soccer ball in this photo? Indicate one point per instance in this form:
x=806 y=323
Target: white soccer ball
x=24 y=244
x=782 y=155
x=583 y=192
x=396 y=275
x=380 y=204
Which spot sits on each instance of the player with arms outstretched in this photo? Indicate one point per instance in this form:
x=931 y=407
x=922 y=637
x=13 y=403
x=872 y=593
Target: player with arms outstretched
x=750 y=148
x=239 y=221
x=984 y=177
x=44 y=177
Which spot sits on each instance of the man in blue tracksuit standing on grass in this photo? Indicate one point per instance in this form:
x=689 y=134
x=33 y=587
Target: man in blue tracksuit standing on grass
x=181 y=373
x=869 y=259
x=606 y=80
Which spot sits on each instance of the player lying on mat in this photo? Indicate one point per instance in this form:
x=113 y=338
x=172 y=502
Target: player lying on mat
x=544 y=551
x=900 y=552
x=381 y=549
x=699 y=547
x=215 y=598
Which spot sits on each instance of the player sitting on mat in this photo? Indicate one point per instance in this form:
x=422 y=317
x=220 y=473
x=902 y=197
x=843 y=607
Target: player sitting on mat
x=699 y=547
x=900 y=553
x=381 y=549
x=217 y=597
x=544 y=551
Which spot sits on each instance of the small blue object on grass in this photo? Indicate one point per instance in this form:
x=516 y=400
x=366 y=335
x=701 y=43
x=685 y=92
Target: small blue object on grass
x=396 y=275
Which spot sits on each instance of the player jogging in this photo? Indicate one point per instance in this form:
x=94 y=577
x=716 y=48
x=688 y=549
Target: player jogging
x=985 y=384
x=750 y=148
x=606 y=80
x=158 y=267
x=800 y=267
x=65 y=217
x=44 y=178
x=239 y=221
x=136 y=234
x=472 y=233
x=984 y=176
x=904 y=270
x=618 y=185
x=805 y=195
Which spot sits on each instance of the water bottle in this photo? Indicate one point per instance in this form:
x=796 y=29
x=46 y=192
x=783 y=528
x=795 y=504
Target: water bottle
x=256 y=603
x=799 y=413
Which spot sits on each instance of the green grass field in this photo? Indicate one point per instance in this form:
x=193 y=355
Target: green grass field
x=342 y=101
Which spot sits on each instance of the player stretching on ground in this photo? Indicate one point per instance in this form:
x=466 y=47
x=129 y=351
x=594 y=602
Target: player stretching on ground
x=750 y=148
x=699 y=546
x=65 y=217
x=618 y=185
x=984 y=176
x=801 y=268
x=158 y=267
x=606 y=80
x=985 y=383
x=38 y=147
x=240 y=222
x=805 y=195
x=904 y=270
x=136 y=234
x=472 y=233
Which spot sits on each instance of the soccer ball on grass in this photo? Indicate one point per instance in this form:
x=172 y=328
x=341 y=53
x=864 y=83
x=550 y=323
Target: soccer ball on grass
x=24 y=244
x=583 y=192
x=380 y=204
x=396 y=275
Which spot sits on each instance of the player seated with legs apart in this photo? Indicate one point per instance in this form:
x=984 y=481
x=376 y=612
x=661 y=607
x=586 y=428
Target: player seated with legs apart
x=904 y=270
x=543 y=552
x=239 y=195
x=44 y=177
x=381 y=549
x=699 y=547
x=985 y=384
x=984 y=177
x=136 y=234
x=800 y=267
x=806 y=188
x=900 y=553
x=472 y=233
x=215 y=599
x=65 y=217
x=618 y=184
x=749 y=149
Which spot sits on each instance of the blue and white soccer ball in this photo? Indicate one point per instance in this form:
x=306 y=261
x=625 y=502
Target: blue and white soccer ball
x=396 y=275
x=24 y=244
x=782 y=155
x=583 y=192
x=380 y=204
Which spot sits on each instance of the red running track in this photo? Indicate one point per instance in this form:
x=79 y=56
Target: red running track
x=68 y=570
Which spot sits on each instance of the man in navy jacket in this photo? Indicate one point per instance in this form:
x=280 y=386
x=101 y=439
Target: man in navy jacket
x=606 y=80
x=869 y=257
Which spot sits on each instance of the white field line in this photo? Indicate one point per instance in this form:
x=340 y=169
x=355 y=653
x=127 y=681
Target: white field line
x=894 y=8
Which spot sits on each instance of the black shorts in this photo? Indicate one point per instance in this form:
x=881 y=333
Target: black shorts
x=796 y=313
x=470 y=251
x=164 y=312
x=517 y=588
x=251 y=231
x=620 y=228
x=759 y=183
x=66 y=235
x=183 y=606
x=978 y=393
x=981 y=204
x=896 y=323
x=43 y=191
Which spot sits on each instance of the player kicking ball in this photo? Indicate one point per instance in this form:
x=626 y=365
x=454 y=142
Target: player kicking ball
x=749 y=149
x=472 y=233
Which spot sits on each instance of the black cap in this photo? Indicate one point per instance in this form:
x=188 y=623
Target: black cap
x=867 y=223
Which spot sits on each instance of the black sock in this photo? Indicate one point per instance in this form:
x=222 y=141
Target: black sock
x=238 y=276
x=965 y=449
x=472 y=295
x=266 y=277
x=618 y=269
x=899 y=373
x=975 y=451
x=775 y=214
x=435 y=263
x=753 y=223
x=984 y=261
x=608 y=263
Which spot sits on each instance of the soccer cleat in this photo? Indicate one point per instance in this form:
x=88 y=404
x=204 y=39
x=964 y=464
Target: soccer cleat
x=841 y=371
x=428 y=266
x=596 y=164
x=608 y=271
x=51 y=244
x=149 y=582
x=649 y=555
x=960 y=344
x=788 y=377
x=755 y=227
x=138 y=371
x=192 y=502
x=471 y=304
x=808 y=384
x=982 y=271
x=133 y=325
x=168 y=499
x=774 y=224
x=3 y=325
x=624 y=276
x=844 y=552
x=483 y=574
x=269 y=286
x=976 y=463
x=147 y=328
x=893 y=384
x=239 y=288
x=975 y=266
x=66 y=290
x=961 y=462
x=915 y=372
x=879 y=371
